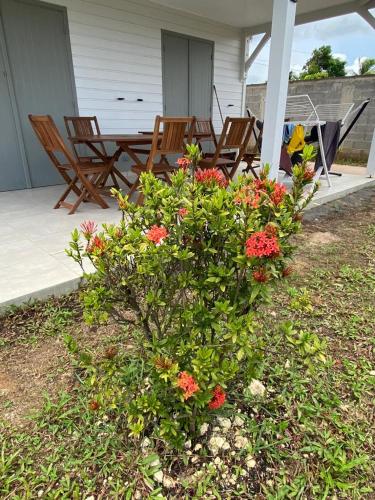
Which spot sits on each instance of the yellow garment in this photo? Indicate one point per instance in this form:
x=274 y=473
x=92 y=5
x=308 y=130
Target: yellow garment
x=297 y=141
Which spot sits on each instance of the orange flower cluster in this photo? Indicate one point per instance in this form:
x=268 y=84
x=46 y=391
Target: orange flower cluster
x=157 y=234
x=96 y=245
x=309 y=174
x=248 y=196
x=278 y=193
x=211 y=176
x=188 y=384
x=218 y=398
x=261 y=244
x=183 y=163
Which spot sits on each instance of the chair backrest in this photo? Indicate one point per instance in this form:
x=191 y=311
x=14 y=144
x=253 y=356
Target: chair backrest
x=204 y=131
x=50 y=138
x=171 y=136
x=236 y=134
x=83 y=126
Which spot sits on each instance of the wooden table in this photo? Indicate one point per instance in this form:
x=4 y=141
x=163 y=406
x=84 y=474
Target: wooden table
x=123 y=142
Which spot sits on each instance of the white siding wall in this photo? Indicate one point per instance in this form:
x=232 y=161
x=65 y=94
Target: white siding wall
x=116 y=47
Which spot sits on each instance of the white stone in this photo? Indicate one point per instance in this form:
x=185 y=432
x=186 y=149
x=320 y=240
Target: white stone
x=203 y=429
x=287 y=364
x=155 y=463
x=257 y=388
x=372 y=373
x=146 y=443
x=169 y=482
x=187 y=445
x=238 y=421
x=241 y=442
x=197 y=447
x=40 y=493
x=215 y=444
x=159 y=476
x=218 y=461
x=91 y=497
x=194 y=459
x=224 y=423
x=250 y=462
x=226 y=446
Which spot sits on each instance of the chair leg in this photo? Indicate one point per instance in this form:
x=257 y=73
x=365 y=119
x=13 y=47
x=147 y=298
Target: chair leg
x=71 y=187
x=92 y=192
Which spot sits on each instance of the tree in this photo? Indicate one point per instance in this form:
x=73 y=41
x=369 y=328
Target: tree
x=323 y=64
x=366 y=66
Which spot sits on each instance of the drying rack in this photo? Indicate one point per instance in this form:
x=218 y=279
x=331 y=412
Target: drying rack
x=301 y=111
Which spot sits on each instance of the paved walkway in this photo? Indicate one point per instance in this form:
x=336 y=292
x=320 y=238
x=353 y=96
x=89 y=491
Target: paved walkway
x=33 y=263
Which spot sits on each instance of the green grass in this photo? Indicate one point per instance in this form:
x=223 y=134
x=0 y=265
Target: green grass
x=311 y=435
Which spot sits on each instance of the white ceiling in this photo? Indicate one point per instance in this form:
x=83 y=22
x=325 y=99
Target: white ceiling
x=258 y=13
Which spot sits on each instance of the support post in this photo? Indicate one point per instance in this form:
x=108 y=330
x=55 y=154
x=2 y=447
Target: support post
x=371 y=158
x=367 y=16
x=283 y=18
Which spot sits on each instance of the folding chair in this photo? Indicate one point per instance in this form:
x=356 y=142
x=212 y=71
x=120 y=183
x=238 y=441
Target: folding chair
x=204 y=133
x=170 y=137
x=82 y=178
x=89 y=126
x=235 y=135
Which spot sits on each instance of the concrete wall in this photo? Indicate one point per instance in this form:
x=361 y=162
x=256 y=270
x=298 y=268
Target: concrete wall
x=333 y=90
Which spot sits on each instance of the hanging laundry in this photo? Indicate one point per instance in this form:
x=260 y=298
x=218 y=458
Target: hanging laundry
x=297 y=141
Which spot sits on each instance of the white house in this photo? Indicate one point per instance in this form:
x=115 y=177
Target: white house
x=127 y=60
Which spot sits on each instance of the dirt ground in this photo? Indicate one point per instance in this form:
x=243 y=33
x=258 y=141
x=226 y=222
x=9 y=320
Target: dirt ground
x=34 y=359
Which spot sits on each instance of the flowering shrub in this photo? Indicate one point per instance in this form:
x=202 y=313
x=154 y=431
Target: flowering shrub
x=192 y=263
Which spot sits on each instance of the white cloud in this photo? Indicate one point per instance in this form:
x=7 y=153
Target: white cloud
x=339 y=55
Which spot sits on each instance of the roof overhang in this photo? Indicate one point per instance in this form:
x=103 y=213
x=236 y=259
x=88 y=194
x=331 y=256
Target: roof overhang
x=254 y=16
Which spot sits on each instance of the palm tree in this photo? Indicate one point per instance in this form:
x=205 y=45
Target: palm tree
x=366 y=66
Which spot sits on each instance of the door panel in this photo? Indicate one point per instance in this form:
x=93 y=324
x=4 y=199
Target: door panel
x=200 y=78
x=175 y=75
x=40 y=63
x=12 y=175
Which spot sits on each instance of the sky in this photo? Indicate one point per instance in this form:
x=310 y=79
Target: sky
x=350 y=37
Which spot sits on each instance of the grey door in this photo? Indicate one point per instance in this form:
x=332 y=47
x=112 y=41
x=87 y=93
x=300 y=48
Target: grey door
x=36 y=37
x=12 y=173
x=187 y=75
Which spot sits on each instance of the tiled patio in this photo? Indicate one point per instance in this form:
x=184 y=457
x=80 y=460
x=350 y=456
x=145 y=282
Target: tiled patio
x=33 y=263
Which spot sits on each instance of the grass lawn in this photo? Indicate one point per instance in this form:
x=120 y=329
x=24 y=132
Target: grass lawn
x=309 y=435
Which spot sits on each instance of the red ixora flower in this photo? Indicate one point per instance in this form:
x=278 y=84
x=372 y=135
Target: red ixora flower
x=218 y=398
x=88 y=228
x=278 y=193
x=260 y=275
x=182 y=212
x=261 y=244
x=211 y=176
x=183 y=163
x=157 y=234
x=96 y=245
x=188 y=384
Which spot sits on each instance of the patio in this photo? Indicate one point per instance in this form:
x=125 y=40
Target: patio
x=33 y=263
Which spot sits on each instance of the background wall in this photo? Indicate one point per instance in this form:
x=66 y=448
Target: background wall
x=332 y=90
x=116 y=48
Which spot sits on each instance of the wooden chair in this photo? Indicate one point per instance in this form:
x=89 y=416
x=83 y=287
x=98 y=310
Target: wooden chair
x=88 y=126
x=235 y=135
x=170 y=137
x=204 y=132
x=252 y=154
x=82 y=178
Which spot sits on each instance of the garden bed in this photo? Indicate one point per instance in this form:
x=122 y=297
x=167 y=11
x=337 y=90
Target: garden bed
x=307 y=435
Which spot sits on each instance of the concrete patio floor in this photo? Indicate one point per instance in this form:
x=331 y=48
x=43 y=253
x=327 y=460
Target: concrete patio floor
x=33 y=263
